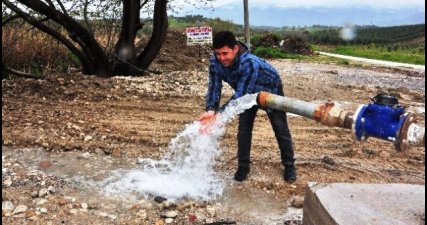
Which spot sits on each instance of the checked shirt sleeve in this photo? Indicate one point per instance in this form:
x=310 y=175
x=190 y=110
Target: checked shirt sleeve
x=213 y=96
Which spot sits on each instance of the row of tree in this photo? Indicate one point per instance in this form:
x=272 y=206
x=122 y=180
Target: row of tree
x=368 y=35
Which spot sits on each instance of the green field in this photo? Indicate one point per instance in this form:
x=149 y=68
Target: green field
x=411 y=55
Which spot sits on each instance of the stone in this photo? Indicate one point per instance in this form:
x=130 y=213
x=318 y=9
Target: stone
x=43 y=192
x=169 y=220
x=7 y=205
x=297 y=201
x=20 y=209
x=170 y=214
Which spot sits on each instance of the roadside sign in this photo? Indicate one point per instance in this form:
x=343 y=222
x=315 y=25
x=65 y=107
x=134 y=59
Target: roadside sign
x=199 y=35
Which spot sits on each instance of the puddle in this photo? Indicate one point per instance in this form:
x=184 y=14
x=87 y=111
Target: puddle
x=86 y=174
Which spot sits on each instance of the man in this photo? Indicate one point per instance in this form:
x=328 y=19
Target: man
x=247 y=74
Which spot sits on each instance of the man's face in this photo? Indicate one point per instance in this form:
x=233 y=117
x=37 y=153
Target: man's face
x=226 y=55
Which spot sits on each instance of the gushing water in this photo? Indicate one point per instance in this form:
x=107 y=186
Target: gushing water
x=187 y=169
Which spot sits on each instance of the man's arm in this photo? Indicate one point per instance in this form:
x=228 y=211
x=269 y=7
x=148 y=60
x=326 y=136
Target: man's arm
x=213 y=96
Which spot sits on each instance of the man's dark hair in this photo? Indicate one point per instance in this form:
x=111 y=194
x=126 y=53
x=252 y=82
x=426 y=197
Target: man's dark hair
x=224 y=38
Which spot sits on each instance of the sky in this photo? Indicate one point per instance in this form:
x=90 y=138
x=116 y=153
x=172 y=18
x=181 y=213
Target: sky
x=310 y=12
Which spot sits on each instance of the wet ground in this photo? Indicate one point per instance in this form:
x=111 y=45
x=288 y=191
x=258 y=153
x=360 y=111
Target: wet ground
x=63 y=135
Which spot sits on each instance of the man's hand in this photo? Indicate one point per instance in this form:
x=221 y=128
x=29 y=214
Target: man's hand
x=207 y=119
x=207 y=116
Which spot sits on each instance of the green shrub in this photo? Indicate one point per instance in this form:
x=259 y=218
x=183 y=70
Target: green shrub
x=274 y=53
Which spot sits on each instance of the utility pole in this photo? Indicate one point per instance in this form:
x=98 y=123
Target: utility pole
x=247 y=31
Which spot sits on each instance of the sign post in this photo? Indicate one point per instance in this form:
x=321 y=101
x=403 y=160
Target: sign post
x=199 y=36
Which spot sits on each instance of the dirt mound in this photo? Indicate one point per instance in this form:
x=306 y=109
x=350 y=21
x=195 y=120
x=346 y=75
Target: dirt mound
x=175 y=55
x=296 y=46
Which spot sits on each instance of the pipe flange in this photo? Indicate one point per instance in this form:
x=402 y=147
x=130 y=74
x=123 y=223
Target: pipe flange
x=401 y=143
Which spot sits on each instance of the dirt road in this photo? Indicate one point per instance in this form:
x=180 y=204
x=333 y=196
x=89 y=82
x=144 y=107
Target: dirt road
x=105 y=124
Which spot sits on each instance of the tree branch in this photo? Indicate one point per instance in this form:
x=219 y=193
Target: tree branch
x=37 y=24
x=62 y=7
x=160 y=27
x=16 y=16
x=86 y=5
x=78 y=33
x=19 y=73
x=143 y=4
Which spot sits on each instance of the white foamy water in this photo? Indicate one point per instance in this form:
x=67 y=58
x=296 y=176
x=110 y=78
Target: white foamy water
x=187 y=169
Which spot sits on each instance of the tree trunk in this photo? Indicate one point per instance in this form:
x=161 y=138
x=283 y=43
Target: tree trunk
x=160 y=28
x=125 y=52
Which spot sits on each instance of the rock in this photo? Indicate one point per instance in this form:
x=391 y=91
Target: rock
x=34 y=194
x=41 y=201
x=168 y=204
x=200 y=216
x=160 y=199
x=83 y=211
x=142 y=214
x=7 y=181
x=211 y=210
x=92 y=205
x=329 y=160
x=169 y=214
x=31 y=214
x=159 y=222
x=43 y=192
x=85 y=155
x=84 y=205
x=20 y=209
x=7 y=205
x=184 y=206
x=169 y=220
x=297 y=201
x=51 y=189
x=87 y=138
x=43 y=210
x=102 y=214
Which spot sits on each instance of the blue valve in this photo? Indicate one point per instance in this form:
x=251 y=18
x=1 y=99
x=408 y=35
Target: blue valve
x=382 y=119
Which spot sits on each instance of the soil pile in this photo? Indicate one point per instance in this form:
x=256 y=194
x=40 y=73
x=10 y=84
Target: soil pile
x=175 y=55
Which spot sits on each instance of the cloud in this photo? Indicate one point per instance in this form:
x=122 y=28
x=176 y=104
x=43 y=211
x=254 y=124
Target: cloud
x=338 y=3
x=391 y=4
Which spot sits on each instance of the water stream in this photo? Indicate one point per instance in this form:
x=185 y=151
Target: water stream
x=187 y=169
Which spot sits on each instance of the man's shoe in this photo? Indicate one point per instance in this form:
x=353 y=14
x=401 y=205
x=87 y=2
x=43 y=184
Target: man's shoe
x=290 y=174
x=241 y=173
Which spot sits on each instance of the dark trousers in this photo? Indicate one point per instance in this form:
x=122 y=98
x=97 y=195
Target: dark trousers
x=280 y=126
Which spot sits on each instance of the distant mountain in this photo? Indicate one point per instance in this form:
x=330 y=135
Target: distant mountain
x=279 y=17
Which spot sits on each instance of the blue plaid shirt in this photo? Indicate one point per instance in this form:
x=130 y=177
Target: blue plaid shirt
x=249 y=74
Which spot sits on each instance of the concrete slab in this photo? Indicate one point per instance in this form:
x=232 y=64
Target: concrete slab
x=357 y=204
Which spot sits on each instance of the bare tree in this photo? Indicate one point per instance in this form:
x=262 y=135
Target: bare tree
x=76 y=17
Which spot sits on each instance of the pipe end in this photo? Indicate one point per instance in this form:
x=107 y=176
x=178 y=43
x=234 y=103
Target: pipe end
x=261 y=99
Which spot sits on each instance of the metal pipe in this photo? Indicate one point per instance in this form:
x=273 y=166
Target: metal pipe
x=384 y=118
x=327 y=113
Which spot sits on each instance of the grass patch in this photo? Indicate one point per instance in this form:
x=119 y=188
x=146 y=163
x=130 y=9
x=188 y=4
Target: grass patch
x=275 y=53
x=404 y=54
